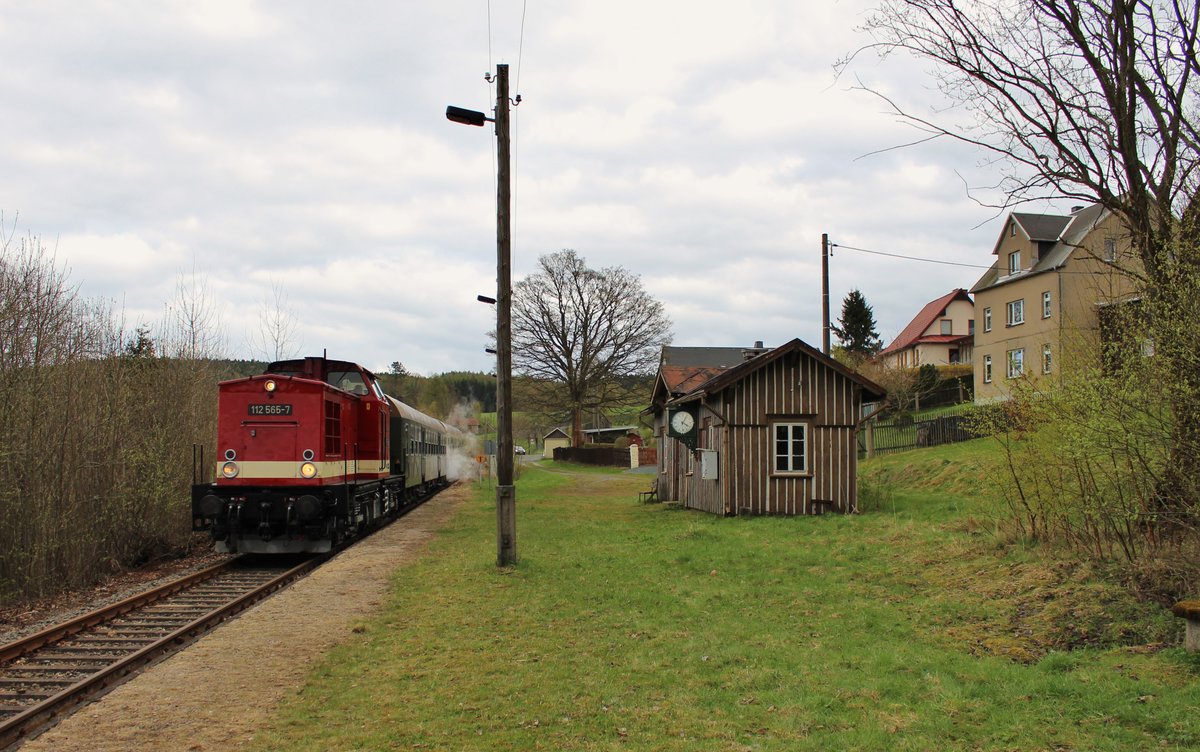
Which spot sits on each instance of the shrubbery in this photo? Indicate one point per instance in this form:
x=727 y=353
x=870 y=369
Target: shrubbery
x=96 y=432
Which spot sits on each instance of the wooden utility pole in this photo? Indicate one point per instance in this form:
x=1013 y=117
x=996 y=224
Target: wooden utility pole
x=825 y=293
x=506 y=492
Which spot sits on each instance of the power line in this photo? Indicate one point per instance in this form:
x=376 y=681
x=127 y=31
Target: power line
x=909 y=258
x=521 y=45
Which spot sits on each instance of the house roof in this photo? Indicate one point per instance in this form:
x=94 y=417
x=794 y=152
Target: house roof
x=740 y=371
x=561 y=434
x=682 y=369
x=682 y=379
x=932 y=311
x=1040 y=227
x=1071 y=233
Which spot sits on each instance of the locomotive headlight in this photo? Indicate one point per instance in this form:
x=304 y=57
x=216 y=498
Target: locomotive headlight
x=308 y=470
x=270 y=385
x=229 y=469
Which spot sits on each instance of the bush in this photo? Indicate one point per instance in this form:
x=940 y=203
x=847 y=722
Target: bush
x=96 y=435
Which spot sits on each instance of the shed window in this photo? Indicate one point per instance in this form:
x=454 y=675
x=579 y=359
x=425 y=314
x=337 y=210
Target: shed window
x=791 y=447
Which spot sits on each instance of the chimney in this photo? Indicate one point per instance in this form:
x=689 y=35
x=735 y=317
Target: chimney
x=753 y=352
x=1076 y=209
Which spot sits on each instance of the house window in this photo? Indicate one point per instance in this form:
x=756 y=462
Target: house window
x=1016 y=363
x=1110 y=249
x=1016 y=312
x=1045 y=358
x=971 y=325
x=1046 y=305
x=1012 y=229
x=1014 y=262
x=953 y=356
x=791 y=447
x=987 y=369
x=947 y=326
x=987 y=319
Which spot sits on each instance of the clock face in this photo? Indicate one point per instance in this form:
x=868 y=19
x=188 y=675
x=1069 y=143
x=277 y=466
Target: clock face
x=682 y=422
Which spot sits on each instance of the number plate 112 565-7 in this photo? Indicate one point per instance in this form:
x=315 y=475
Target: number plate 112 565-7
x=273 y=408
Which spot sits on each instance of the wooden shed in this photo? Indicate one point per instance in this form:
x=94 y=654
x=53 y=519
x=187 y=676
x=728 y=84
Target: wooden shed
x=554 y=440
x=765 y=431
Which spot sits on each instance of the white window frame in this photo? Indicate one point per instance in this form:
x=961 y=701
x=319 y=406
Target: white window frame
x=987 y=369
x=1015 y=312
x=987 y=319
x=1014 y=263
x=1046 y=304
x=796 y=430
x=1016 y=363
x=1110 y=249
x=1046 y=359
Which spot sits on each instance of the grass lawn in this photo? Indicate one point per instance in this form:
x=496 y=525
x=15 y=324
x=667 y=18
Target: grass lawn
x=631 y=627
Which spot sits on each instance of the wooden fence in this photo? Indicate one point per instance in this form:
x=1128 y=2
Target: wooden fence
x=593 y=455
x=894 y=437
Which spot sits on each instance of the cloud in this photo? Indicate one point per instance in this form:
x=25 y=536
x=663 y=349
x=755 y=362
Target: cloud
x=704 y=146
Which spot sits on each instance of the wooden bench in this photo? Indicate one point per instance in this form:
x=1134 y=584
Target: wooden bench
x=1189 y=610
x=649 y=497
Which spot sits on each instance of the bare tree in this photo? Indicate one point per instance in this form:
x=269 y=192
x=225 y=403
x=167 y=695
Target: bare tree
x=192 y=324
x=276 y=336
x=1093 y=100
x=580 y=332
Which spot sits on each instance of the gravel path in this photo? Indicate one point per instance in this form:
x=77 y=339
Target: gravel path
x=216 y=693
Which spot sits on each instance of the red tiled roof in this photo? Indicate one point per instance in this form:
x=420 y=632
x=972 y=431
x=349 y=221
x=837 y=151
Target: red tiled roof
x=924 y=320
x=680 y=379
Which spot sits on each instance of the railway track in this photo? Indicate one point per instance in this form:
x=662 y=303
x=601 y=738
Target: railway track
x=46 y=675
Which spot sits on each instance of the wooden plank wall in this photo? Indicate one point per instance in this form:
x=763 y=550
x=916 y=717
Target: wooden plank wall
x=794 y=386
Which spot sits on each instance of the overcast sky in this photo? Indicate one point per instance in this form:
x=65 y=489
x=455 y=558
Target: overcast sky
x=704 y=146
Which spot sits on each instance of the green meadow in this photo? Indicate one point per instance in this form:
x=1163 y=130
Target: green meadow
x=912 y=626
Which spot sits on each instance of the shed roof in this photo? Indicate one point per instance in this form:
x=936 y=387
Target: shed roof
x=610 y=429
x=732 y=375
x=923 y=320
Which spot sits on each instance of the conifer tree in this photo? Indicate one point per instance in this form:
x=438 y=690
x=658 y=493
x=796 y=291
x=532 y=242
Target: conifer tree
x=856 y=327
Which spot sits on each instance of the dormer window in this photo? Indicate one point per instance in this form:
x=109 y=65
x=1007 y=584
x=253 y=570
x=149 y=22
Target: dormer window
x=1014 y=262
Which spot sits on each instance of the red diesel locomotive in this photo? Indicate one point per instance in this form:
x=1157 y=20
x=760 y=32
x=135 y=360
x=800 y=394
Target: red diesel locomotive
x=312 y=451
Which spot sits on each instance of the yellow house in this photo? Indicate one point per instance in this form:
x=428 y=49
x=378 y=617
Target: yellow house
x=1038 y=307
x=941 y=334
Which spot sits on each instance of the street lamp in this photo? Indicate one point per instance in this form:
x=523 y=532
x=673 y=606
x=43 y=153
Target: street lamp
x=506 y=492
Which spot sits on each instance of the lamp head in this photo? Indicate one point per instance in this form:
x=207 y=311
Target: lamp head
x=466 y=117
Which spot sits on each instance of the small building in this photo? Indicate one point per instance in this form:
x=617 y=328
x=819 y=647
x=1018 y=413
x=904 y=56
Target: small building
x=757 y=430
x=941 y=334
x=606 y=435
x=556 y=439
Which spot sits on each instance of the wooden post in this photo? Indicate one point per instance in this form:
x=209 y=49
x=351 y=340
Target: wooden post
x=825 y=293
x=506 y=492
x=1189 y=610
x=870 y=438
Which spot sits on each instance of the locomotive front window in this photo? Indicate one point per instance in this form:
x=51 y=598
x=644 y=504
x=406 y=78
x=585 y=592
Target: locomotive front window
x=350 y=381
